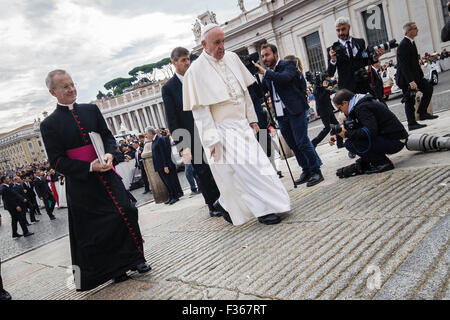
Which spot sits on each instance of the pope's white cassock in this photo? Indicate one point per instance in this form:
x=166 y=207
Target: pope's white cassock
x=216 y=92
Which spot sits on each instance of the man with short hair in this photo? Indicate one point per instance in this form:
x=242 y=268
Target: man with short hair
x=215 y=90
x=44 y=193
x=13 y=202
x=283 y=81
x=373 y=132
x=104 y=233
x=410 y=78
x=183 y=129
x=352 y=60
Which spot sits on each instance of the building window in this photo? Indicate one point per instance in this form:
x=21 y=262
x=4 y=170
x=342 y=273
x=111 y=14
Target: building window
x=445 y=10
x=375 y=26
x=315 y=53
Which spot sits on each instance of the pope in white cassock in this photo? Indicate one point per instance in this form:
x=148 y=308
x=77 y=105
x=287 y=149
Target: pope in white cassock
x=215 y=90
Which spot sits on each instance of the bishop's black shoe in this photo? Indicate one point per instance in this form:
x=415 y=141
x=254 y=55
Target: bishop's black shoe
x=121 y=278
x=4 y=295
x=142 y=268
x=270 y=219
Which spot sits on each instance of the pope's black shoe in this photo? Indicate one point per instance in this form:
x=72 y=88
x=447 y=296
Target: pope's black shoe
x=304 y=178
x=121 y=278
x=427 y=116
x=223 y=212
x=142 y=268
x=4 y=295
x=270 y=219
x=316 y=178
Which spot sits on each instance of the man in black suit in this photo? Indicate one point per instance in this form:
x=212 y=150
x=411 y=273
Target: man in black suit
x=410 y=78
x=12 y=202
x=162 y=162
x=28 y=186
x=26 y=206
x=181 y=125
x=350 y=62
x=376 y=82
x=44 y=193
x=139 y=164
x=282 y=80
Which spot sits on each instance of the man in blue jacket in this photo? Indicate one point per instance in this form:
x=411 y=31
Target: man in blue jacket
x=285 y=83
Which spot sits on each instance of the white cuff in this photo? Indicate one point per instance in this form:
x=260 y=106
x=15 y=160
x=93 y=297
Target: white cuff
x=90 y=167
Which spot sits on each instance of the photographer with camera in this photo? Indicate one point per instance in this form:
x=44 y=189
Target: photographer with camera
x=371 y=131
x=322 y=93
x=350 y=57
x=410 y=78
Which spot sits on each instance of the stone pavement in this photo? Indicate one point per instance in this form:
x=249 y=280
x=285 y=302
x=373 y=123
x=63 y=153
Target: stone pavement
x=382 y=236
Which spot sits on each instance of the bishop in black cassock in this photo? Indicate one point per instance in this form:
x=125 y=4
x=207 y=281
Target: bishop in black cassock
x=105 y=238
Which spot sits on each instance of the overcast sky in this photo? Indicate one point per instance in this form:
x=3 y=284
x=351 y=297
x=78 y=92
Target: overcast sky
x=94 y=40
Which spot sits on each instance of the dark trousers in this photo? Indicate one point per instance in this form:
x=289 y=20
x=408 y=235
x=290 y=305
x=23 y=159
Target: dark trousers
x=379 y=148
x=49 y=206
x=207 y=183
x=327 y=116
x=145 y=178
x=1 y=281
x=169 y=182
x=31 y=209
x=427 y=89
x=191 y=177
x=18 y=217
x=294 y=129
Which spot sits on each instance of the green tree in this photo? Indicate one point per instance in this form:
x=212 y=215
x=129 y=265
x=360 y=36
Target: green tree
x=100 y=95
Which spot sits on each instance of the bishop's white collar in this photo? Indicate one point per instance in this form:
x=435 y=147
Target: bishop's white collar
x=70 y=106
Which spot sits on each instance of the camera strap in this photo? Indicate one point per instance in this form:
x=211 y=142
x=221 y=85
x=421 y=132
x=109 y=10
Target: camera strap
x=369 y=140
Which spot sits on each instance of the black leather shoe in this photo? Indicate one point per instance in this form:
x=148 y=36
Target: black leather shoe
x=52 y=217
x=340 y=144
x=381 y=168
x=270 y=219
x=416 y=126
x=168 y=201
x=427 y=116
x=28 y=224
x=36 y=221
x=223 y=212
x=351 y=155
x=304 y=178
x=121 y=278
x=28 y=234
x=316 y=178
x=146 y=191
x=280 y=174
x=213 y=212
x=142 y=268
x=4 y=295
x=17 y=235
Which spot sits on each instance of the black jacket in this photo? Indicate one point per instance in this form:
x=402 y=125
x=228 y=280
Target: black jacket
x=408 y=68
x=42 y=188
x=376 y=117
x=11 y=199
x=323 y=100
x=162 y=154
x=172 y=94
x=288 y=83
x=30 y=194
x=346 y=68
x=377 y=84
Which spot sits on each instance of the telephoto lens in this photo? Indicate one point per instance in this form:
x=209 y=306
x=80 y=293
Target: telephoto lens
x=425 y=142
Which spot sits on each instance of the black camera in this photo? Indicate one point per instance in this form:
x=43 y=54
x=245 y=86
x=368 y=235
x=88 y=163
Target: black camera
x=341 y=51
x=316 y=78
x=348 y=125
x=370 y=52
x=248 y=62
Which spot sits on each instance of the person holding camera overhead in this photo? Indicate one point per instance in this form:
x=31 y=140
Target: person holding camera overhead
x=371 y=131
x=347 y=56
x=410 y=78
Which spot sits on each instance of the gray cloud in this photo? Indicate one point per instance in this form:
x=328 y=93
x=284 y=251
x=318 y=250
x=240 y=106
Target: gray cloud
x=95 y=40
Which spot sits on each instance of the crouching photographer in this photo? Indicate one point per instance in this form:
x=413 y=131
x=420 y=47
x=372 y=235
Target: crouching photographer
x=371 y=131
